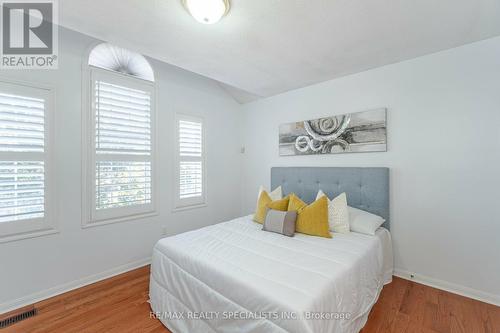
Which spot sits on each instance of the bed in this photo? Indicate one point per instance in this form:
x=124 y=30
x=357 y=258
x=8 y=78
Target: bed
x=233 y=277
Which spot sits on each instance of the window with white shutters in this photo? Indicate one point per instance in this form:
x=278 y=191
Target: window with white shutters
x=23 y=159
x=190 y=162
x=122 y=149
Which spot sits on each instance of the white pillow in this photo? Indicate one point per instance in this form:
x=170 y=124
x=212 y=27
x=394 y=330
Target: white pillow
x=338 y=214
x=364 y=222
x=276 y=194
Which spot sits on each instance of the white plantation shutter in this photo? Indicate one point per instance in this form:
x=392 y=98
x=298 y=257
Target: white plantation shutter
x=22 y=190
x=122 y=183
x=191 y=177
x=22 y=181
x=190 y=173
x=123 y=120
x=190 y=136
x=23 y=158
x=123 y=109
x=22 y=123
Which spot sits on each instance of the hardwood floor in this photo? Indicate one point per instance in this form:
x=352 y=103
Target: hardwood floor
x=119 y=304
x=409 y=307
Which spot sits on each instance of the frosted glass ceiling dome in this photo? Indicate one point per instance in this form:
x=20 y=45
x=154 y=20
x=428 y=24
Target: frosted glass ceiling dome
x=207 y=11
x=118 y=59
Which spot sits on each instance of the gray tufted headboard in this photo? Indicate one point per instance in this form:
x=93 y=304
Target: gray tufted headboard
x=366 y=188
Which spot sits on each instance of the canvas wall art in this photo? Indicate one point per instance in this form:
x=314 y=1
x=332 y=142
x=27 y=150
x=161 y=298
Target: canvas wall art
x=347 y=133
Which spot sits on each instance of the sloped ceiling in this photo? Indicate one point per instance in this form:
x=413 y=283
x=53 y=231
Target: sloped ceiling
x=266 y=47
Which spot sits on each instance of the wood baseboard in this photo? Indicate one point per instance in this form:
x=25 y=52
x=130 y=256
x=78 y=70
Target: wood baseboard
x=449 y=287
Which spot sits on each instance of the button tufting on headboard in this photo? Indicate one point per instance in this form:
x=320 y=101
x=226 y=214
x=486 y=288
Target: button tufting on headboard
x=366 y=188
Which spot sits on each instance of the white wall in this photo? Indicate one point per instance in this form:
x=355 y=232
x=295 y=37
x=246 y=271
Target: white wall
x=443 y=152
x=30 y=267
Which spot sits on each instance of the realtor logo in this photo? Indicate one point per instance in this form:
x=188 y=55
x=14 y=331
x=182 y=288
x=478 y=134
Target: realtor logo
x=29 y=34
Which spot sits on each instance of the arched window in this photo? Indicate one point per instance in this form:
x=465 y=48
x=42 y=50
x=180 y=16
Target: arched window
x=121 y=60
x=120 y=134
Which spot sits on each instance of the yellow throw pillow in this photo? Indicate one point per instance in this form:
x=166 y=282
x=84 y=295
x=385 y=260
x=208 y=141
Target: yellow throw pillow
x=266 y=202
x=311 y=219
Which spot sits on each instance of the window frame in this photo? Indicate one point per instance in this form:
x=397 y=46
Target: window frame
x=46 y=225
x=190 y=203
x=91 y=217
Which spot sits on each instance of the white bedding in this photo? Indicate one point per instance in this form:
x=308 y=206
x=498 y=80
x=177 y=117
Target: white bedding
x=234 y=277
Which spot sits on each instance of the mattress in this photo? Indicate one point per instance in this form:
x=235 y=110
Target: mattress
x=234 y=277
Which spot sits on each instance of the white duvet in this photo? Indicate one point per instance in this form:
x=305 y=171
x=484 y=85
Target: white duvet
x=234 y=277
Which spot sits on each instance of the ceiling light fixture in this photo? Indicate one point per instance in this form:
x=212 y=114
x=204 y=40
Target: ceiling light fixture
x=207 y=11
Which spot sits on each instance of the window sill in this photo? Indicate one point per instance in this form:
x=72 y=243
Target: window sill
x=184 y=208
x=99 y=223
x=27 y=235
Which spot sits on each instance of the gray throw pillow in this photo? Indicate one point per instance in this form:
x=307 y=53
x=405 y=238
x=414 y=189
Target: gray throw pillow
x=280 y=222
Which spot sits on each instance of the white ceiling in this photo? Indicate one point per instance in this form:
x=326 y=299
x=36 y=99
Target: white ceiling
x=265 y=47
